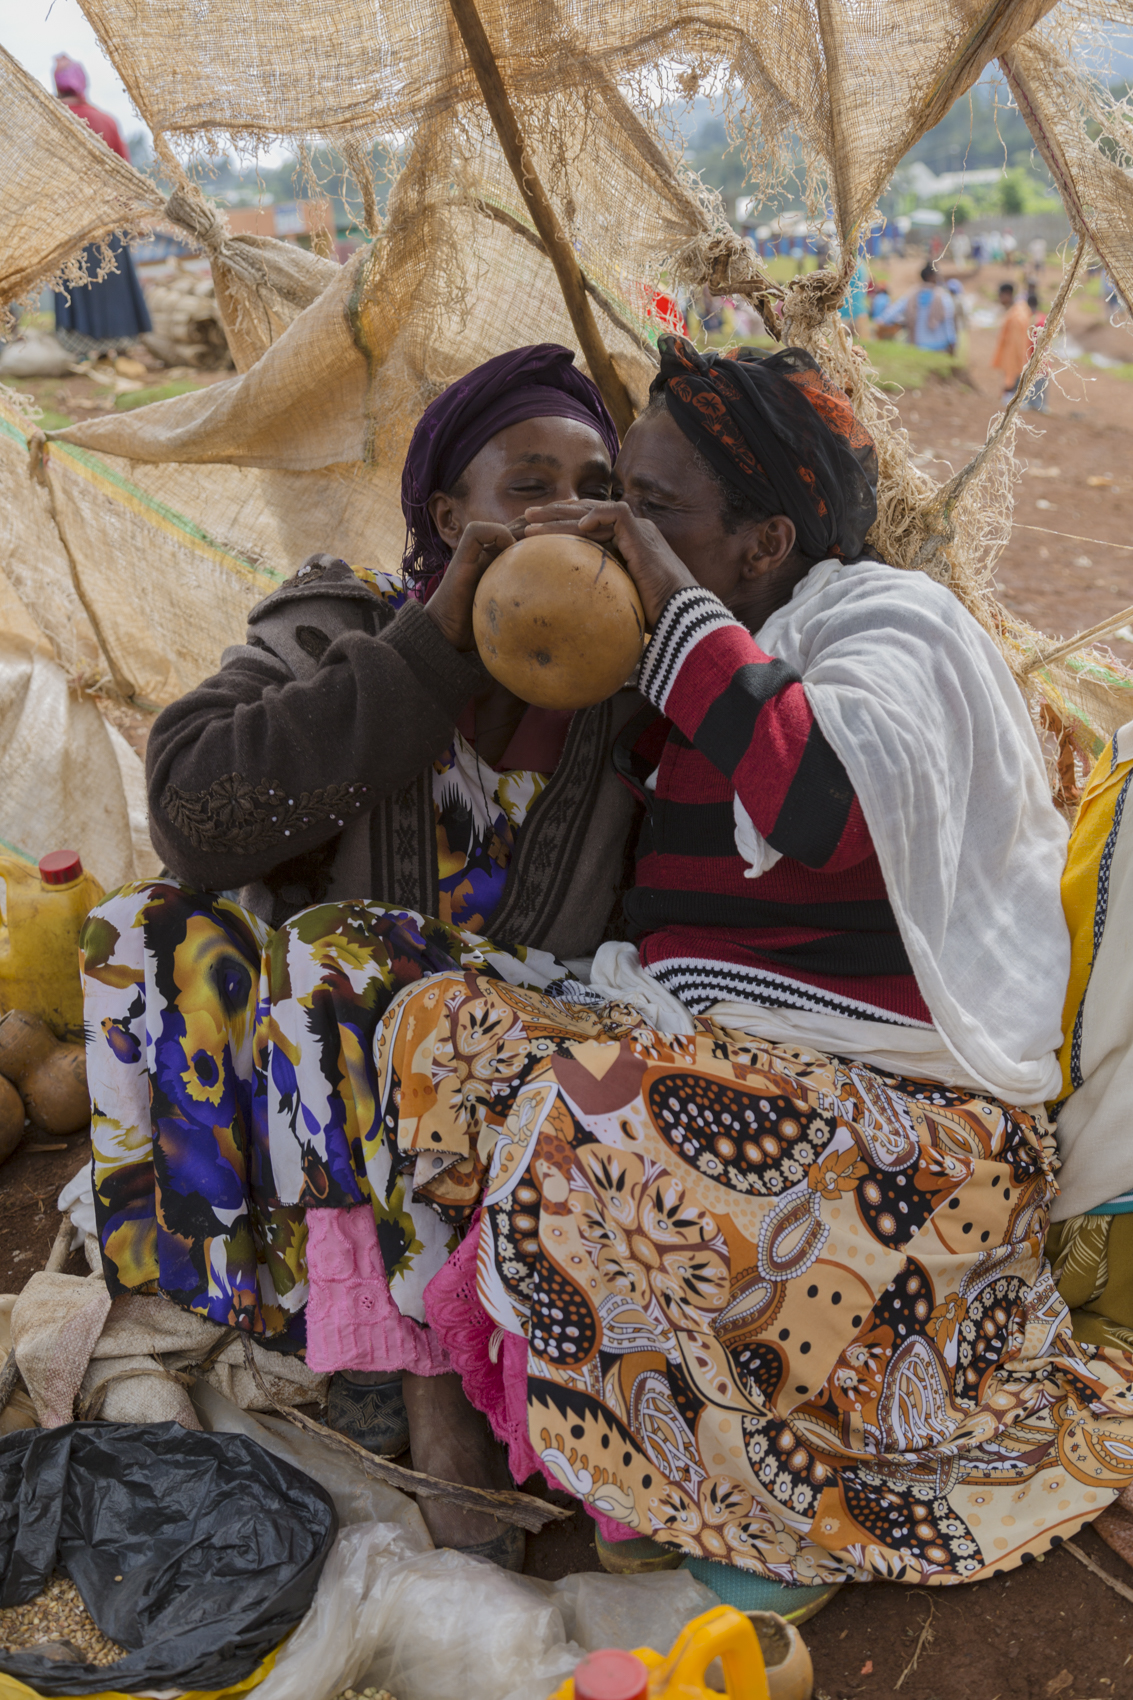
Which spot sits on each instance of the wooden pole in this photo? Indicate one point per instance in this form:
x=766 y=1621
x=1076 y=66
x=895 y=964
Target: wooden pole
x=559 y=250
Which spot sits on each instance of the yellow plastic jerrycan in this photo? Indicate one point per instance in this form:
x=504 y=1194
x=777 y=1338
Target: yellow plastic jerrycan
x=41 y=912
x=723 y=1634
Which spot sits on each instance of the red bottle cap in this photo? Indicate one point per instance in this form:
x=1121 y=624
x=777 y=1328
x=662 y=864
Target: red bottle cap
x=611 y=1675
x=60 y=867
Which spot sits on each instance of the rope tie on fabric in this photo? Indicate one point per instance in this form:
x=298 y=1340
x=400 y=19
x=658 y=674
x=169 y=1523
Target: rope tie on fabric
x=724 y=264
x=810 y=298
x=187 y=207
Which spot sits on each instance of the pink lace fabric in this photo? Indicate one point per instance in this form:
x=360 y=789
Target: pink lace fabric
x=352 y=1321
x=492 y=1364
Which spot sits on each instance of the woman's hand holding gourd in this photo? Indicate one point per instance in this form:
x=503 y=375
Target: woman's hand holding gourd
x=652 y=564
x=451 y=603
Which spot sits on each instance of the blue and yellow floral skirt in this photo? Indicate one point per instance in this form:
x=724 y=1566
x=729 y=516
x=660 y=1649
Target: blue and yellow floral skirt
x=202 y=1026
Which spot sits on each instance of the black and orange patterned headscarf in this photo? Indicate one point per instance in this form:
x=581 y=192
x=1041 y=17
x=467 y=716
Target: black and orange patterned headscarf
x=782 y=433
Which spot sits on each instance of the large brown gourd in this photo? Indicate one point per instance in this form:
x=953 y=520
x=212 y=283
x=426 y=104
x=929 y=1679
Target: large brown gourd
x=558 y=621
x=51 y=1077
x=11 y=1118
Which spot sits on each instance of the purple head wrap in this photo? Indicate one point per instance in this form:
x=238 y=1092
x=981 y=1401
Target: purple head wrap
x=70 y=78
x=526 y=383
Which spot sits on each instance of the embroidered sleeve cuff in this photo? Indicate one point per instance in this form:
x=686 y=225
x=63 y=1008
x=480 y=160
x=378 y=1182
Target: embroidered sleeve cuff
x=687 y=617
x=451 y=676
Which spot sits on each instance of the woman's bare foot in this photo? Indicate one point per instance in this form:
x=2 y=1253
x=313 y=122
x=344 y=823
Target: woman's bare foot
x=450 y=1439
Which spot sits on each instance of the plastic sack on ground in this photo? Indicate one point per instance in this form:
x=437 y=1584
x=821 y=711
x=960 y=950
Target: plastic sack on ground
x=196 y=1552
x=334 y=1643
x=630 y=1611
x=393 y=1613
x=490 y=1634
x=358 y=1497
x=12 y=1689
x=433 y=1625
x=438 y=1624
x=496 y=1636
x=379 y=1527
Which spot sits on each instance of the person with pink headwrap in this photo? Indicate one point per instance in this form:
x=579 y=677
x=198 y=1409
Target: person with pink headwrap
x=95 y=317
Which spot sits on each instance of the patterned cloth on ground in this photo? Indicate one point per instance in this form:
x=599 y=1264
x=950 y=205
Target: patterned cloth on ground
x=781 y=1310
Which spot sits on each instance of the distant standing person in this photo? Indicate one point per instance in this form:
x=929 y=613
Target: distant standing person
x=1036 y=397
x=960 y=303
x=930 y=317
x=1013 y=349
x=93 y=318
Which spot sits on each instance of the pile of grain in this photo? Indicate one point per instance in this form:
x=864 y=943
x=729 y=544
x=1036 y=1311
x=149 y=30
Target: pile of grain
x=57 y=1614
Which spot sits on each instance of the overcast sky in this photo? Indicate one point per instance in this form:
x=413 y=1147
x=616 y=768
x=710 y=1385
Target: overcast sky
x=34 y=31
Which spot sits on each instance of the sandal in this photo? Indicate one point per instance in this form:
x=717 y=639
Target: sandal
x=369 y=1412
x=636 y=1557
x=507 y=1549
x=749 y=1592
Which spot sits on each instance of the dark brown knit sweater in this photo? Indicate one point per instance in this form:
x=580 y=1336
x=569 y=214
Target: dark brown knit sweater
x=301 y=772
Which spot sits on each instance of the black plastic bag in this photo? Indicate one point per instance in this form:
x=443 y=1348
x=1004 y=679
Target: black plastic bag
x=217 y=1544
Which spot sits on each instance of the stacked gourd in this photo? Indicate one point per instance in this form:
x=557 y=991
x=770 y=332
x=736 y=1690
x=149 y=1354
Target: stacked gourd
x=43 y=1075
x=42 y=1079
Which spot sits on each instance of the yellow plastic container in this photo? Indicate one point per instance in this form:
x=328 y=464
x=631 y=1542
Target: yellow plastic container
x=41 y=911
x=723 y=1634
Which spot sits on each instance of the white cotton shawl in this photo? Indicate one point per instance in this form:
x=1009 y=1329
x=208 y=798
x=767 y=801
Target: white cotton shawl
x=917 y=702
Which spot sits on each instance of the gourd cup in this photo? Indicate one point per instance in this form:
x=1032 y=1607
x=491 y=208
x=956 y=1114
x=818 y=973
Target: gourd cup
x=558 y=620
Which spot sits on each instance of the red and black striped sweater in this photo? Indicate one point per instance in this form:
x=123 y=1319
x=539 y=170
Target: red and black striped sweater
x=816 y=932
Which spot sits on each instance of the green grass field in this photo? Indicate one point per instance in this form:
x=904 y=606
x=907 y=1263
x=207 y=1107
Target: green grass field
x=900 y=366
x=155 y=392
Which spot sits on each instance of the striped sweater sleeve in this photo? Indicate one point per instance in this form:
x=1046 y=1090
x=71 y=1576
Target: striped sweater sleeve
x=748 y=713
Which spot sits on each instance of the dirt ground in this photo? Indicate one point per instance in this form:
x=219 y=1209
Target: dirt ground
x=1053 y=1630
x=1069 y=563
x=30 y=1184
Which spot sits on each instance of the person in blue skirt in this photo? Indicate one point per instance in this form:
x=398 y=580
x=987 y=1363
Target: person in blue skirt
x=92 y=318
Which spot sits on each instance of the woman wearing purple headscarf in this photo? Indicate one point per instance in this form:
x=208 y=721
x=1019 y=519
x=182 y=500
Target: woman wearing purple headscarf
x=93 y=317
x=382 y=809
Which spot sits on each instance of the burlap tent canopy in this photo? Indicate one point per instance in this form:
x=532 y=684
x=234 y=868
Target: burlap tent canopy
x=137 y=542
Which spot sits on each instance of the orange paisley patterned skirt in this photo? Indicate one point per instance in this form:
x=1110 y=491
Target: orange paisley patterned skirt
x=781 y=1309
